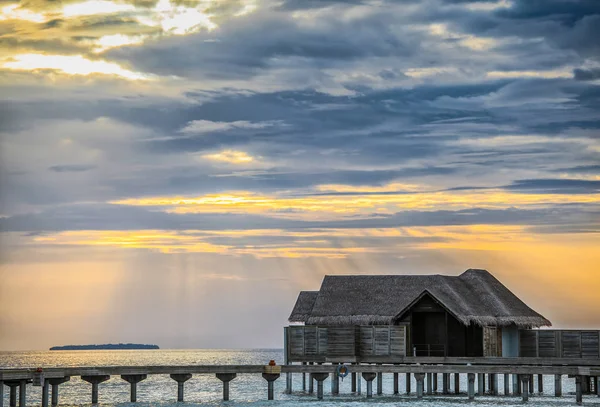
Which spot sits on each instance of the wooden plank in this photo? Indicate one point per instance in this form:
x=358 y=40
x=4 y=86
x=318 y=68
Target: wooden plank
x=398 y=340
x=571 y=344
x=547 y=344
x=382 y=336
x=527 y=343
x=322 y=340
x=366 y=340
x=341 y=341
x=589 y=344
x=296 y=340
x=310 y=340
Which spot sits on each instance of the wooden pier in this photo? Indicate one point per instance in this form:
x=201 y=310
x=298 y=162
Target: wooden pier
x=585 y=373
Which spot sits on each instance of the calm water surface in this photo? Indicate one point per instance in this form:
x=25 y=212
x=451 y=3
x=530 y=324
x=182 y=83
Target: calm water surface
x=245 y=390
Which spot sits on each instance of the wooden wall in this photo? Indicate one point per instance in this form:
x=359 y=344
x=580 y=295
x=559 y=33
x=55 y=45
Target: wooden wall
x=553 y=343
x=336 y=341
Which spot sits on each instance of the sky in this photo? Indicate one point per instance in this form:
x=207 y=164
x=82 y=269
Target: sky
x=175 y=171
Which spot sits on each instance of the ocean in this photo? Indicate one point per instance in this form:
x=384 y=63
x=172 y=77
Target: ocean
x=246 y=390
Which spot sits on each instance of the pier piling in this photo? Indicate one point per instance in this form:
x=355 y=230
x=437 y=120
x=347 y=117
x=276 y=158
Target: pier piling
x=335 y=383
x=435 y=383
x=456 y=383
x=95 y=381
x=180 y=379
x=429 y=384
x=579 y=390
x=270 y=378
x=445 y=383
x=320 y=378
x=354 y=378
x=304 y=378
x=226 y=378
x=133 y=380
x=598 y=386
x=471 y=385
x=525 y=379
x=557 y=385
x=540 y=383
x=506 y=384
x=516 y=385
x=55 y=382
x=396 y=390
x=408 y=384
x=12 y=398
x=480 y=384
x=22 y=393
x=379 y=384
x=1 y=393
x=420 y=378
x=369 y=377
x=45 y=393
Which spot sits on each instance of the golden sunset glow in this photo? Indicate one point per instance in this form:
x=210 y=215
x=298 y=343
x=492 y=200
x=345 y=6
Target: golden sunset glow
x=173 y=153
x=71 y=65
x=230 y=156
x=247 y=202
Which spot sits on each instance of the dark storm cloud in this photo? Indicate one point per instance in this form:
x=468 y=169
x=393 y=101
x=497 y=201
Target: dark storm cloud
x=586 y=74
x=243 y=48
x=118 y=217
x=556 y=186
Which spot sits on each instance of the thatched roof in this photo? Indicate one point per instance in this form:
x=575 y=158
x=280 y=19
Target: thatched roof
x=303 y=307
x=473 y=297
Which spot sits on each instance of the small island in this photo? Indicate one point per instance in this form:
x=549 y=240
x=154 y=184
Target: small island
x=108 y=346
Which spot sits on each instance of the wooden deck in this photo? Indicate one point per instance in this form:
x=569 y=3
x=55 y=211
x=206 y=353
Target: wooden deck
x=520 y=369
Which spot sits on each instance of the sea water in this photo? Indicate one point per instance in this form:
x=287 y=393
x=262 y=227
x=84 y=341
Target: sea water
x=246 y=390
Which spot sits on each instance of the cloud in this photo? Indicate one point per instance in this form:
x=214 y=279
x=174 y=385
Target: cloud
x=71 y=168
x=230 y=156
x=207 y=126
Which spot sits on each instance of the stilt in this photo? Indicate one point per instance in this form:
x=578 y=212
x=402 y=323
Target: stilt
x=540 y=383
x=598 y=386
x=471 y=386
x=320 y=378
x=95 y=381
x=445 y=383
x=480 y=384
x=519 y=385
x=557 y=385
x=358 y=384
x=526 y=380
x=420 y=382
x=578 y=390
x=379 y=383
x=288 y=383
x=396 y=391
x=180 y=379
x=12 y=398
x=516 y=385
x=456 y=383
x=506 y=384
x=55 y=382
x=270 y=378
x=133 y=380
x=335 y=383
x=1 y=393
x=531 y=387
x=408 y=384
x=226 y=378
x=45 y=393
x=435 y=383
x=494 y=384
x=369 y=377
x=23 y=393
x=311 y=382
x=354 y=378
x=304 y=379
x=429 y=383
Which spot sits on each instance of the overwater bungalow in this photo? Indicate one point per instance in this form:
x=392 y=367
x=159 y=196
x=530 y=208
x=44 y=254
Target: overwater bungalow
x=386 y=318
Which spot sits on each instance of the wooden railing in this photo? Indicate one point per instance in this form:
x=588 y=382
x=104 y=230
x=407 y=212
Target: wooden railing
x=556 y=343
x=429 y=349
